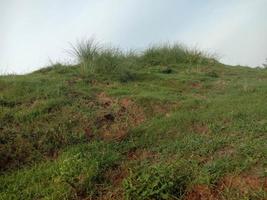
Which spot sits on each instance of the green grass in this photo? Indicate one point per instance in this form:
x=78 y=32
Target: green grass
x=74 y=174
x=158 y=124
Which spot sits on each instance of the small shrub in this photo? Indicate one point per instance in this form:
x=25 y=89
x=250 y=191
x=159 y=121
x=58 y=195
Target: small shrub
x=157 y=182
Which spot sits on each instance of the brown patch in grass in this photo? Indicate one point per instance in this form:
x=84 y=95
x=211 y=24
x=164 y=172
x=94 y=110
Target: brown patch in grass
x=201 y=192
x=114 y=194
x=222 y=152
x=225 y=151
x=105 y=100
x=265 y=184
x=160 y=109
x=117 y=116
x=74 y=80
x=88 y=133
x=126 y=103
x=243 y=183
x=135 y=113
x=156 y=108
x=220 y=84
x=200 y=128
x=199 y=96
x=114 y=133
x=196 y=85
x=141 y=154
x=116 y=177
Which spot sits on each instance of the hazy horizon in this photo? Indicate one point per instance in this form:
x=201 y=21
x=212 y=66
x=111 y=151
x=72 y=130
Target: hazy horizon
x=35 y=32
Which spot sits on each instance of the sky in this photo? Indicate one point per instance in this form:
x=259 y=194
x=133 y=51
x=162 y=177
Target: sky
x=34 y=33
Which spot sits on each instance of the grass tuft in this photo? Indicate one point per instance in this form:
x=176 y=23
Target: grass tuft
x=160 y=181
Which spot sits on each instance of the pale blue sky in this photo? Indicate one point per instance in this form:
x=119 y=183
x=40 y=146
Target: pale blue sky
x=34 y=31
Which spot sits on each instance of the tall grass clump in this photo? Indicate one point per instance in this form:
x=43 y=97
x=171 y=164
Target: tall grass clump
x=97 y=58
x=104 y=60
x=86 y=51
x=168 y=54
x=110 y=62
x=163 y=54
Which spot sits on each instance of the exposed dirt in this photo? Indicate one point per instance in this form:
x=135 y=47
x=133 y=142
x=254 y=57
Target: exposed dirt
x=244 y=184
x=225 y=151
x=222 y=152
x=158 y=108
x=196 y=85
x=117 y=116
x=116 y=177
x=200 y=128
x=201 y=192
x=141 y=154
x=74 y=80
x=88 y=133
x=105 y=100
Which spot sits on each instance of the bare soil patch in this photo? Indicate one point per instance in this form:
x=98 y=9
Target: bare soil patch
x=201 y=192
x=141 y=154
x=117 y=116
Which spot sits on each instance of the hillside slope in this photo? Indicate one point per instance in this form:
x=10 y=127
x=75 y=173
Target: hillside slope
x=162 y=130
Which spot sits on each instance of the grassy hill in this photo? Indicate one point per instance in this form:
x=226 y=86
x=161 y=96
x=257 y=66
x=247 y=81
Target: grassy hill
x=166 y=123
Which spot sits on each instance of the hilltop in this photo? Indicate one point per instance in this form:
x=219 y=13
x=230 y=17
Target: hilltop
x=166 y=123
